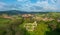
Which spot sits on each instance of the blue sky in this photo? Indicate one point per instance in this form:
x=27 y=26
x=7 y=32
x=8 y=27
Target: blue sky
x=30 y=5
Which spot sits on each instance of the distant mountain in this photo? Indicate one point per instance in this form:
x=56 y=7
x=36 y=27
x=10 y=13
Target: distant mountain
x=12 y=12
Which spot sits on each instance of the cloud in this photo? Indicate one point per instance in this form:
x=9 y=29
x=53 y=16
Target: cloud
x=53 y=1
x=28 y=5
x=5 y=6
x=2 y=5
x=38 y=6
x=22 y=0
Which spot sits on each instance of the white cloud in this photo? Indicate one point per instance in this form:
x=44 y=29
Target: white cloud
x=27 y=5
x=44 y=6
x=53 y=1
x=5 y=6
x=2 y=5
x=22 y=0
x=19 y=0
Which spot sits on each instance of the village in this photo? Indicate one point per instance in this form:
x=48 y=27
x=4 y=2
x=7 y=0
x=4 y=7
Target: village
x=27 y=23
x=31 y=16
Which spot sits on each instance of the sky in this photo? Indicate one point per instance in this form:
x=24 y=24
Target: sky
x=30 y=5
